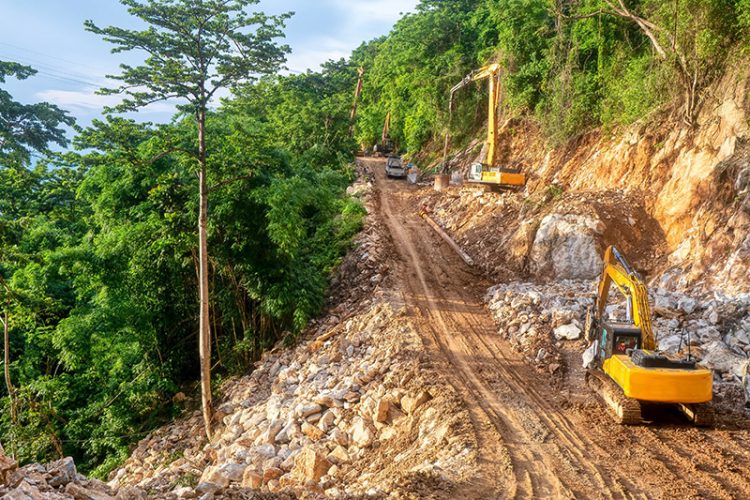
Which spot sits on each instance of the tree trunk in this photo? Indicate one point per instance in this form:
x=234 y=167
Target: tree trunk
x=204 y=322
x=6 y=360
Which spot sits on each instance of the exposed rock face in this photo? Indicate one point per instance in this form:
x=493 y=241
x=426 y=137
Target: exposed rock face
x=565 y=247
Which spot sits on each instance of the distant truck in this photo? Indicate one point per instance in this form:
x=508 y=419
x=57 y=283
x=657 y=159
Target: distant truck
x=394 y=167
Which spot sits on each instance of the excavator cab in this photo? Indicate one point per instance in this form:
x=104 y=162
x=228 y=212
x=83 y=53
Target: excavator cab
x=627 y=370
x=618 y=338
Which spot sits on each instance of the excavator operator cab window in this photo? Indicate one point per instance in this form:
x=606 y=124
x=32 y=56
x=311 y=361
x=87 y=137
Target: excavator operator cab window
x=623 y=343
x=619 y=338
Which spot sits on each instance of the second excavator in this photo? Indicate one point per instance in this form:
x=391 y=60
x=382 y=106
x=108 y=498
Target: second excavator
x=623 y=364
x=489 y=172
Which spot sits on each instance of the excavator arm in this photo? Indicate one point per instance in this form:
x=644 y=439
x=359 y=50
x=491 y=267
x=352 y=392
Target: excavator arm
x=386 y=130
x=491 y=72
x=629 y=282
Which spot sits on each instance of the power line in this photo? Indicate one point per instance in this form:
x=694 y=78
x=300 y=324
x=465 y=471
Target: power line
x=56 y=58
x=48 y=71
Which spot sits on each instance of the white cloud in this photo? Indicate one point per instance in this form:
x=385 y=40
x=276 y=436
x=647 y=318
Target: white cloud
x=368 y=11
x=87 y=100
x=315 y=53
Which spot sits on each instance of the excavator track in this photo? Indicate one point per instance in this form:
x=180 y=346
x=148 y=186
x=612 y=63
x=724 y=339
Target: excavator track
x=626 y=411
x=701 y=414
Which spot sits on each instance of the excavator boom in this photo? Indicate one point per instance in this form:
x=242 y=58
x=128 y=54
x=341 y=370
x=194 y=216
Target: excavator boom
x=491 y=175
x=618 y=271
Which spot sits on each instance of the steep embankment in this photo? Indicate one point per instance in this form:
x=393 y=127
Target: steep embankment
x=671 y=196
x=674 y=199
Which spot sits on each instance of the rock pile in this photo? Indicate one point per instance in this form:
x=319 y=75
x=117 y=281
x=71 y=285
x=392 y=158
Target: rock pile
x=352 y=410
x=536 y=318
x=713 y=328
x=56 y=480
x=347 y=412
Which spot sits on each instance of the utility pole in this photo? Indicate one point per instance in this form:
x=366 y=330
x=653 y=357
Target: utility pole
x=357 y=94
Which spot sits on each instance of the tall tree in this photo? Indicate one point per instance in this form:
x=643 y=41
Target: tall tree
x=194 y=48
x=25 y=128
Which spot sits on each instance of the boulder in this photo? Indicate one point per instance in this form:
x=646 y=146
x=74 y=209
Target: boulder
x=565 y=247
x=411 y=403
x=251 y=479
x=567 y=332
x=670 y=343
x=326 y=421
x=7 y=467
x=272 y=473
x=305 y=411
x=24 y=491
x=362 y=433
x=381 y=410
x=210 y=489
x=312 y=431
x=79 y=492
x=61 y=472
x=338 y=455
x=339 y=436
x=310 y=465
x=184 y=492
x=722 y=359
x=224 y=474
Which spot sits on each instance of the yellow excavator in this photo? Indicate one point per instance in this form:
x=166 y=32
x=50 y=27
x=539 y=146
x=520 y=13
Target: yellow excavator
x=489 y=172
x=386 y=146
x=622 y=363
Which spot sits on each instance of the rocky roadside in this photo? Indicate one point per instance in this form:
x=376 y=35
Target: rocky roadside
x=544 y=321
x=56 y=480
x=353 y=410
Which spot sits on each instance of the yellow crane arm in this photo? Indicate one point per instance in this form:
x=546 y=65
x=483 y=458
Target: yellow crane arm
x=491 y=72
x=386 y=129
x=618 y=271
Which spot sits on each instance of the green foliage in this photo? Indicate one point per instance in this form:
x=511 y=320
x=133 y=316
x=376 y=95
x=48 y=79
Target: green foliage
x=98 y=244
x=98 y=247
x=194 y=48
x=573 y=66
x=27 y=128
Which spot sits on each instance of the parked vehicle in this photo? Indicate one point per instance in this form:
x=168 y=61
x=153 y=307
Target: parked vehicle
x=394 y=167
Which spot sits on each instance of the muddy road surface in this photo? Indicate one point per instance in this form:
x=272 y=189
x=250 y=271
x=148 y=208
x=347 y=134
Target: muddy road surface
x=538 y=439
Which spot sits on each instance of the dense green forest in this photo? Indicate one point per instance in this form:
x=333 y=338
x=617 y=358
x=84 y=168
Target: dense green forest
x=98 y=245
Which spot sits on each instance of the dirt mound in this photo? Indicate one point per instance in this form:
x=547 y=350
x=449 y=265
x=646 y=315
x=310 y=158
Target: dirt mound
x=549 y=235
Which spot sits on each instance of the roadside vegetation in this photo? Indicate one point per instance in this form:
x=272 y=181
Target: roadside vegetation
x=100 y=272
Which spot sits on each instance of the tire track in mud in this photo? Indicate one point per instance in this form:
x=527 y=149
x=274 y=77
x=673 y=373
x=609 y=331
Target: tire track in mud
x=528 y=445
x=538 y=466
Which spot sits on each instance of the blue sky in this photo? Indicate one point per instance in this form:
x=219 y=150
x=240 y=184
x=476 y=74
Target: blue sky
x=72 y=63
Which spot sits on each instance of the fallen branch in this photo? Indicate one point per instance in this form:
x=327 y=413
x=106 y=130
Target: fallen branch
x=469 y=261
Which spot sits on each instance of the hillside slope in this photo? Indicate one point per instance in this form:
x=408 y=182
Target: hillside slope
x=673 y=197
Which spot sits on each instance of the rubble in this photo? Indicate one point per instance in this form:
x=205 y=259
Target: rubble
x=712 y=328
x=56 y=480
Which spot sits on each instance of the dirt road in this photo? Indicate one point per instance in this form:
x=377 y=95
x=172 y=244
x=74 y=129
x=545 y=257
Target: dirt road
x=537 y=441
